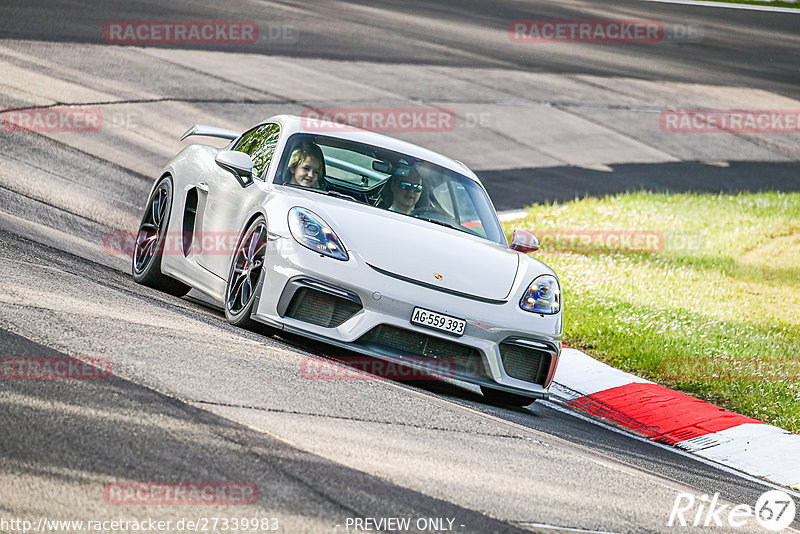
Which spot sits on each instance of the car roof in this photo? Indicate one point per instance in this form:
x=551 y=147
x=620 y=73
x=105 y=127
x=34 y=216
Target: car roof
x=295 y=124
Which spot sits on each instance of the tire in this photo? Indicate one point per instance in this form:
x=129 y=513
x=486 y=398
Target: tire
x=149 y=248
x=244 y=276
x=496 y=396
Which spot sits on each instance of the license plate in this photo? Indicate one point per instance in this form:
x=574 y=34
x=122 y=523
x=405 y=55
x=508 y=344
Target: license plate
x=438 y=321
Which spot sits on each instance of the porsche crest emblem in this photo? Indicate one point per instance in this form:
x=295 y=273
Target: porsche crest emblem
x=437 y=276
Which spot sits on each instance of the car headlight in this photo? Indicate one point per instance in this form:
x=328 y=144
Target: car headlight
x=312 y=232
x=542 y=296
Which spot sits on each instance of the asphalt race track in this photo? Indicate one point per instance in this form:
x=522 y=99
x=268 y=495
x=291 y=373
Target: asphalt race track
x=192 y=398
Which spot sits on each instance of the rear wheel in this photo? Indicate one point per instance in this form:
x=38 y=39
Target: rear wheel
x=496 y=396
x=149 y=248
x=246 y=271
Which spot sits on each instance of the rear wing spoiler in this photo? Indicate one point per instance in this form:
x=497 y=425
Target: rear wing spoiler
x=210 y=131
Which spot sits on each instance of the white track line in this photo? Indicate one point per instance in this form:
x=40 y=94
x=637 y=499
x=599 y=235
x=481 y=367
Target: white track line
x=730 y=6
x=563 y=529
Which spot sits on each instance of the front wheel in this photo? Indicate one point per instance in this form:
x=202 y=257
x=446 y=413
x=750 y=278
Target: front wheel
x=149 y=248
x=496 y=396
x=246 y=271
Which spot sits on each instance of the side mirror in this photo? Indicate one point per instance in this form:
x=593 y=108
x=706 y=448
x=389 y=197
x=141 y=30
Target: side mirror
x=237 y=163
x=524 y=241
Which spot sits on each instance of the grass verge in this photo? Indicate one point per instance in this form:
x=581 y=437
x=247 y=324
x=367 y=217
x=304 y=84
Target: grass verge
x=694 y=291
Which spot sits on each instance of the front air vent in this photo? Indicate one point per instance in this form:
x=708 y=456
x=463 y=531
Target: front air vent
x=525 y=363
x=319 y=308
x=447 y=356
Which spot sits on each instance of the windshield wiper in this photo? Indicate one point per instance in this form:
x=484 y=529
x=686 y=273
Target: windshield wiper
x=330 y=193
x=337 y=194
x=441 y=223
x=448 y=225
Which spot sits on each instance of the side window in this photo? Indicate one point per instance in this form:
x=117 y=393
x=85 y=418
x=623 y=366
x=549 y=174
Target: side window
x=259 y=143
x=442 y=195
x=459 y=204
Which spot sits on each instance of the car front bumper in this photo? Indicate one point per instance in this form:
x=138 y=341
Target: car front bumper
x=363 y=310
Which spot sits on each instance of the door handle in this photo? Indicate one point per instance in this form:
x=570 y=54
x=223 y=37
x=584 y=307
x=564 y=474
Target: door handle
x=202 y=186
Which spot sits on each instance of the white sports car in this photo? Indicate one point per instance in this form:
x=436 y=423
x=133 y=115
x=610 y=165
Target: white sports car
x=360 y=241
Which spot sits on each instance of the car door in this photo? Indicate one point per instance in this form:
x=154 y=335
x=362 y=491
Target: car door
x=226 y=203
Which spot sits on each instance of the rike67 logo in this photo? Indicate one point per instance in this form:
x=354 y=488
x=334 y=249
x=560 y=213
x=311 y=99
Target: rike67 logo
x=774 y=511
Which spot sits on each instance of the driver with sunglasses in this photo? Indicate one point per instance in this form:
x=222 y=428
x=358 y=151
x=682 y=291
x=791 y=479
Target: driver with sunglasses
x=406 y=191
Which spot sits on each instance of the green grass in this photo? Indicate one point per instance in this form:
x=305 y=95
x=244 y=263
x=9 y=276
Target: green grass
x=714 y=313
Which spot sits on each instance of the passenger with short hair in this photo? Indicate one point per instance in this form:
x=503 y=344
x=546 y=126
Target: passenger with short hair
x=405 y=192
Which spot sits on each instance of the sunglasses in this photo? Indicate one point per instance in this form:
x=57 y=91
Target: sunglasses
x=404 y=186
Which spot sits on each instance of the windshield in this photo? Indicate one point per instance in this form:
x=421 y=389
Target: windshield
x=389 y=180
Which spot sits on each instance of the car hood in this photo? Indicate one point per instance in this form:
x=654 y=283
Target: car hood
x=419 y=250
